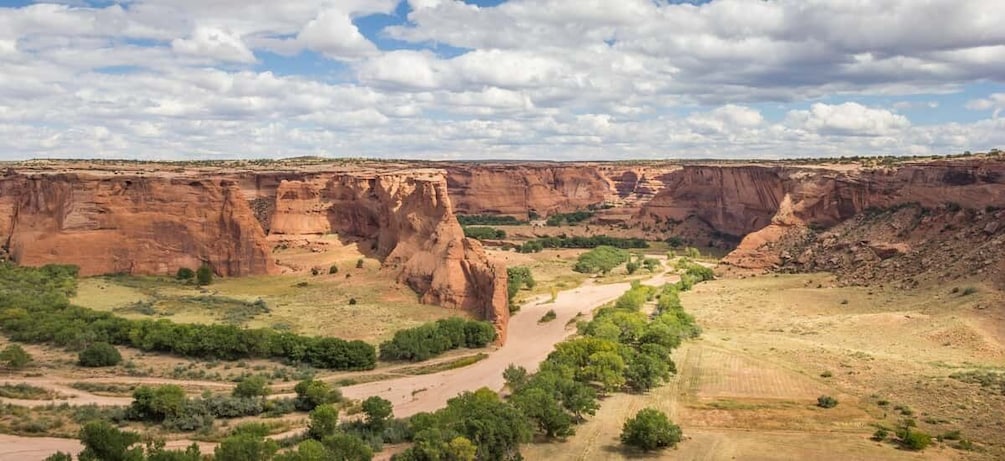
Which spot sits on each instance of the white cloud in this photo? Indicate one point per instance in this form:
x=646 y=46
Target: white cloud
x=525 y=79
x=213 y=43
x=333 y=34
x=848 y=119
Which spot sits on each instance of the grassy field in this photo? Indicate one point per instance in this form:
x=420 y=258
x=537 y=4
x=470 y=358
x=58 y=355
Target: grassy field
x=369 y=305
x=747 y=389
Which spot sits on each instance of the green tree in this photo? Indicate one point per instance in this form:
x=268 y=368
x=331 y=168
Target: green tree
x=311 y=393
x=645 y=371
x=104 y=442
x=494 y=426
x=515 y=376
x=541 y=406
x=649 y=430
x=157 y=404
x=308 y=450
x=185 y=274
x=245 y=447
x=252 y=386
x=59 y=456
x=15 y=357
x=157 y=452
x=378 y=411
x=204 y=275
x=99 y=354
x=346 y=447
x=606 y=368
x=632 y=267
x=323 y=422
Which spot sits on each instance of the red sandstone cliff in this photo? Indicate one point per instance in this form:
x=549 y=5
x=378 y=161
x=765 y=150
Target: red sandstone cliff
x=766 y=204
x=410 y=218
x=112 y=221
x=130 y=224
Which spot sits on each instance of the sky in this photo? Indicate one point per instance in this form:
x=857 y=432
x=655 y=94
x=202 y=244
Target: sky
x=496 y=79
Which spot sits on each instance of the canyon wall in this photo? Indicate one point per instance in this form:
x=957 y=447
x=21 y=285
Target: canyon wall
x=130 y=224
x=516 y=189
x=153 y=222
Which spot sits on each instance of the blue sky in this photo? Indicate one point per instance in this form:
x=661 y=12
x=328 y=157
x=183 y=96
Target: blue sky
x=517 y=79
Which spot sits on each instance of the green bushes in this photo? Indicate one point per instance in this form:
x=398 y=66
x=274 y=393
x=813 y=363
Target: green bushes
x=34 y=308
x=536 y=245
x=252 y=386
x=649 y=430
x=204 y=275
x=488 y=220
x=432 y=339
x=518 y=277
x=169 y=406
x=99 y=355
x=601 y=259
x=185 y=274
x=548 y=316
x=826 y=401
x=312 y=393
x=14 y=357
x=484 y=233
x=571 y=219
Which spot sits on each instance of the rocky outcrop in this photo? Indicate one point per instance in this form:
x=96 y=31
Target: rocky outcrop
x=409 y=219
x=130 y=224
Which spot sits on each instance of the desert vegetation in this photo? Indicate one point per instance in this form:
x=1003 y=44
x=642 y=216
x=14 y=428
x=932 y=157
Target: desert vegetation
x=432 y=339
x=36 y=310
x=579 y=242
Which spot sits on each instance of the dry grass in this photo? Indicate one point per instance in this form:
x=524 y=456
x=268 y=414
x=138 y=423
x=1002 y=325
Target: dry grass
x=748 y=388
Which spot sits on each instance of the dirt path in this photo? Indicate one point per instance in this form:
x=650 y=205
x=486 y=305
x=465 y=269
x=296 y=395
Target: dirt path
x=528 y=344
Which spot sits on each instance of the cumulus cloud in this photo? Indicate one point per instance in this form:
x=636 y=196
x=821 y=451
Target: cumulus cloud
x=525 y=79
x=333 y=34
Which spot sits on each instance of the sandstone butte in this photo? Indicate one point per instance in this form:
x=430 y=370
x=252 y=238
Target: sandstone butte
x=152 y=218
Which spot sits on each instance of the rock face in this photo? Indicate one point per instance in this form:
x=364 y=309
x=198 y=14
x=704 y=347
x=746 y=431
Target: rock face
x=516 y=189
x=131 y=224
x=409 y=217
x=110 y=222
x=774 y=208
x=547 y=188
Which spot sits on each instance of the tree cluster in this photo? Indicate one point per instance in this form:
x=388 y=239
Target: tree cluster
x=434 y=338
x=570 y=219
x=484 y=233
x=34 y=308
x=578 y=242
x=488 y=220
x=601 y=259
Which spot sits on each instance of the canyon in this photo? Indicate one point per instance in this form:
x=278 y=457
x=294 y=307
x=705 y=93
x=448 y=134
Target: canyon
x=152 y=218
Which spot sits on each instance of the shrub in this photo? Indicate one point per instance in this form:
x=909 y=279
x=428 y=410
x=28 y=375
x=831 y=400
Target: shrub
x=915 y=440
x=252 y=386
x=333 y=270
x=675 y=242
x=15 y=357
x=185 y=274
x=323 y=422
x=968 y=291
x=359 y=263
x=312 y=393
x=518 y=277
x=649 y=430
x=204 y=275
x=826 y=401
x=826 y=374
x=632 y=267
x=880 y=434
x=548 y=316
x=352 y=301
x=99 y=354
